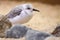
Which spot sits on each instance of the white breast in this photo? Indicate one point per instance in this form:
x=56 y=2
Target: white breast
x=21 y=19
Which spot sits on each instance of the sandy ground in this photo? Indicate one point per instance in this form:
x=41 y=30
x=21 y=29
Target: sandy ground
x=45 y=20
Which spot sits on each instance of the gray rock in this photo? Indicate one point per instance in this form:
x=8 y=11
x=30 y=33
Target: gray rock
x=36 y=35
x=19 y=31
x=16 y=31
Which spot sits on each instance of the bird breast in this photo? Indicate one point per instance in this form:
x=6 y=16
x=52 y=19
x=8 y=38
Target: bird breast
x=21 y=19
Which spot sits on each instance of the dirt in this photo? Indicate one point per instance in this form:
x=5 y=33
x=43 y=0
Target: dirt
x=45 y=20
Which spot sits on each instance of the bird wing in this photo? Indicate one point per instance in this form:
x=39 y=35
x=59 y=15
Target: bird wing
x=14 y=12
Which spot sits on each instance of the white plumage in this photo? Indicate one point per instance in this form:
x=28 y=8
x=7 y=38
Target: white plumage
x=21 y=14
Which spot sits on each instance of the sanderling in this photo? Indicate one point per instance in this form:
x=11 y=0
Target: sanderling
x=21 y=14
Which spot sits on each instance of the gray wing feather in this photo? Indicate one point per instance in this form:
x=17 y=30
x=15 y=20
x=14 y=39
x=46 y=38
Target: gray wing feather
x=14 y=12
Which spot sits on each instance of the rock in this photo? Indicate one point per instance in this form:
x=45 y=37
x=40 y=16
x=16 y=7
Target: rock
x=16 y=31
x=5 y=24
x=36 y=35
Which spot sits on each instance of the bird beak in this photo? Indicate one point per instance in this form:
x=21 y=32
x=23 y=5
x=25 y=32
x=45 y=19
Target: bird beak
x=36 y=10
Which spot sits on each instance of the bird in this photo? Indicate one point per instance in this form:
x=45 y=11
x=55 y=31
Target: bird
x=21 y=13
x=16 y=31
x=36 y=35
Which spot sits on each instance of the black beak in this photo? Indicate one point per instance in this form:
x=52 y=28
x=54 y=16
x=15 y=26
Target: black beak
x=36 y=10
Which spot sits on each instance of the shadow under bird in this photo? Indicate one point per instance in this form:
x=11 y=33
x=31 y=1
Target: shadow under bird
x=21 y=14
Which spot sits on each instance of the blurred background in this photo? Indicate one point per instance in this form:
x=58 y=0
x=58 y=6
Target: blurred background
x=45 y=20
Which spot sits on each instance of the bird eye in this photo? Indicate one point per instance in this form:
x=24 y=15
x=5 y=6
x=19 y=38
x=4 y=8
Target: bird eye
x=28 y=8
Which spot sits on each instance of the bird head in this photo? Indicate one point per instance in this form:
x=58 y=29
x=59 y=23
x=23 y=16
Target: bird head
x=28 y=8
